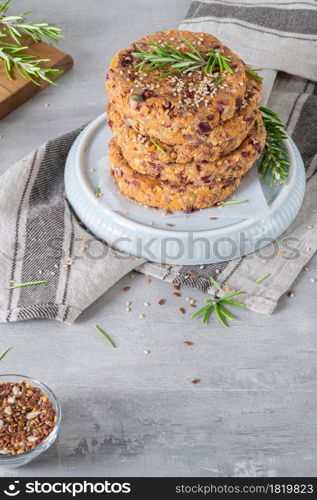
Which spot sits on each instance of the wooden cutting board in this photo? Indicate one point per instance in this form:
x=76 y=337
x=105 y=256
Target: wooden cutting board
x=15 y=92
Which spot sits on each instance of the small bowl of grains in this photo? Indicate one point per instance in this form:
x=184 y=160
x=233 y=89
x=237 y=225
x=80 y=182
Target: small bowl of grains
x=30 y=419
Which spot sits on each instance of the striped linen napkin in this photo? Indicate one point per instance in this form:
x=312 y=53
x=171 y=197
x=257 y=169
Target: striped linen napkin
x=42 y=240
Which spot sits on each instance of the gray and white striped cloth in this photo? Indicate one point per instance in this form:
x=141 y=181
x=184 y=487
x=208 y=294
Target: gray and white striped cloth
x=40 y=238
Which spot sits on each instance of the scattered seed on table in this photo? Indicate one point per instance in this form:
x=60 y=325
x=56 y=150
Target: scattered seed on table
x=146 y=304
x=196 y=381
x=187 y=342
x=128 y=309
x=182 y=310
x=192 y=301
x=161 y=302
x=291 y=293
x=312 y=280
x=177 y=294
x=126 y=288
x=192 y=305
x=131 y=275
x=148 y=281
x=306 y=268
x=188 y=299
x=146 y=352
x=128 y=303
x=176 y=286
x=170 y=225
x=141 y=316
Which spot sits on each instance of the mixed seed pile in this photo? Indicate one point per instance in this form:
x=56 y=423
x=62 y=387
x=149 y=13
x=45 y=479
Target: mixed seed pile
x=27 y=417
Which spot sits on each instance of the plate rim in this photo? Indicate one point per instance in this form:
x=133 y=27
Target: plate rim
x=81 y=145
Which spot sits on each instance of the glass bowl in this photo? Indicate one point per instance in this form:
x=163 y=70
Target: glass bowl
x=12 y=461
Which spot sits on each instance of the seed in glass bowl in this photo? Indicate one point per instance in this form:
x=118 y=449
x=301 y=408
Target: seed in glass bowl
x=27 y=417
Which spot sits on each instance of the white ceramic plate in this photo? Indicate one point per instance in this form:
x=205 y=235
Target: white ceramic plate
x=190 y=239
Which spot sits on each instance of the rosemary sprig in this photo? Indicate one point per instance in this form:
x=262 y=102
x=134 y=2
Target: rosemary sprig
x=166 y=56
x=217 y=305
x=26 y=65
x=275 y=158
x=18 y=26
x=13 y=32
x=105 y=336
x=27 y=284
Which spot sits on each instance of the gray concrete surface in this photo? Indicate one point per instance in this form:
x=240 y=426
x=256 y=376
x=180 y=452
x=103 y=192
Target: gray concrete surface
x=131 y=413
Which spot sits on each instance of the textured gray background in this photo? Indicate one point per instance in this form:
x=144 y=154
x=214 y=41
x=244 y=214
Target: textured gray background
x=128 y=413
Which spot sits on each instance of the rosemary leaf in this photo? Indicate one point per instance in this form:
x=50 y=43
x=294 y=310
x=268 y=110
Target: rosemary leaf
x=215 y=283
x=231 y=294
x=225 y=311
x=4 y=352
x=27 y=284
x=200 y=311
x=191 y=46
x=105 y=336
x=98 y=192
x=220 y=316
x=252 y=74
x=233 y=303
x=157 y=146
x=227 y=203
x=263 y=277
x=218 y=82
x=207 y=314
